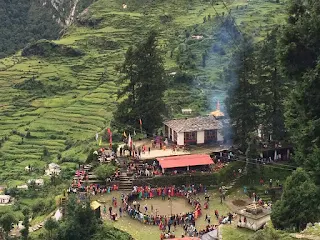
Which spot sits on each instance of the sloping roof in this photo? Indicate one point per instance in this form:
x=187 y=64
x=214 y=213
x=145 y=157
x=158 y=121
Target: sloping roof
x=54 y=165
x=94 y=205
x=194 y=124
x=185 y=160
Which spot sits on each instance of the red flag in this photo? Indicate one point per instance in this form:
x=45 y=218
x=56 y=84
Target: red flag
x=140 y=121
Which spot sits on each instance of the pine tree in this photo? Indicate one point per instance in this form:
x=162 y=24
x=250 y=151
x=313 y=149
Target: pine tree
x=299 y=55
x=299 y=203
x=142 y=95
x=241 y=103
x=272 y=88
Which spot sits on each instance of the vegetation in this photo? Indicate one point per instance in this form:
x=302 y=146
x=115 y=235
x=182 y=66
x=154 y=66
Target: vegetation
x=299 y=190
x=81 y=223
x=6 y=222
x=45 y=48
x=143 y=69
x=104 y=171
x=281 y=96
x=270 y=233
x=53 y=103
x=26 y=21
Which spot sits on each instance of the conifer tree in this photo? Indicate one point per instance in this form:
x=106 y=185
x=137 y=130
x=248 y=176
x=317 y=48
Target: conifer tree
x=144 y=85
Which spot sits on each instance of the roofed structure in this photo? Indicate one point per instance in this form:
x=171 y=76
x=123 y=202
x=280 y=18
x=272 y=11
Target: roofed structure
x=185 y=161
x=217 y=113
x=194 y=124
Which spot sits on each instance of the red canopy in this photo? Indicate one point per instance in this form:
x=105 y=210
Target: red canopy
x=185 y=160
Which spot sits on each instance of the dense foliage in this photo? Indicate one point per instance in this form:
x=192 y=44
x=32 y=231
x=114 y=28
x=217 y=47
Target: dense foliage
x=25 y=21
x=299 y=193
x=81 y=222
x=145 y=83
x=278 y=89
x=103 y=171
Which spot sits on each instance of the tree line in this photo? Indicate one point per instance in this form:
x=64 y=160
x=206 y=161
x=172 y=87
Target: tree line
x=274 y=85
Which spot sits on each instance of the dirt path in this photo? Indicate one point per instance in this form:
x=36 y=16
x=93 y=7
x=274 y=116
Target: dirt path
x=304 y=236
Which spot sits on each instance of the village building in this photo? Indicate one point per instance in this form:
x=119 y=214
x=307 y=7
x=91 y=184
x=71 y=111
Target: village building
x=53 y=169
x=196 y=130
x=37 y=182
x=5 y=199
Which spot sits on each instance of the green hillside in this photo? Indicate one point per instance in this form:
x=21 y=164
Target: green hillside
x=58 y=95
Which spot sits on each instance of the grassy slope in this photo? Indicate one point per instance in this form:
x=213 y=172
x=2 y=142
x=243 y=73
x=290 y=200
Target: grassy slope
x=84 y=107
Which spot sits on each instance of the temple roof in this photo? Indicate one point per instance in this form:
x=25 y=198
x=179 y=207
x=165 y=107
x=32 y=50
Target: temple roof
x=194 y=124
x=217 y=113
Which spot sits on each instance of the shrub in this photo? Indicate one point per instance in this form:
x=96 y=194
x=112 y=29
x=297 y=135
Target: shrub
x=104 y=171
x=47 y=48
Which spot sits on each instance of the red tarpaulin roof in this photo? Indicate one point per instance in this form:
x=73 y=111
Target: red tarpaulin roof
x=185 y=160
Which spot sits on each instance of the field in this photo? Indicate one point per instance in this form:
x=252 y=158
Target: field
x=52 y=106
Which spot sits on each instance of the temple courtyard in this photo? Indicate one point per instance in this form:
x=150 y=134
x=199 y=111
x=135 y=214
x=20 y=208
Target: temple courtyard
x=141 y=231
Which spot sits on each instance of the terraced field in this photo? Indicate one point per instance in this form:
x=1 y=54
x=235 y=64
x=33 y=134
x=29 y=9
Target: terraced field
x=69 y=99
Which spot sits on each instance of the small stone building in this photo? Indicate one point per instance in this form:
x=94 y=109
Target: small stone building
x=196 y=130
x=5 y=199
x=253 y=217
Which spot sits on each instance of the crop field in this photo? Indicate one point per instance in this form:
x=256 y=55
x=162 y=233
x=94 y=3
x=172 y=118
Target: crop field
x=51 y=106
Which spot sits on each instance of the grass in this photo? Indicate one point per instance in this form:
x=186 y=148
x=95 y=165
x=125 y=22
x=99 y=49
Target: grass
x=141 y=231
x=65 y=121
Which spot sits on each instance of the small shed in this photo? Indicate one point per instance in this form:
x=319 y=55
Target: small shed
x=5 y=199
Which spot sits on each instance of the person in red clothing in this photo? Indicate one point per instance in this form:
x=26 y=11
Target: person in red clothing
x=261 y=181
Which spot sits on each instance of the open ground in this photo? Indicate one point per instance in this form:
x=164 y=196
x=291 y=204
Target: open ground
x=142 y=231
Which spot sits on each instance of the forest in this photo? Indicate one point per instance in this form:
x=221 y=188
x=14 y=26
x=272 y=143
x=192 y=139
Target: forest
x=273 y=86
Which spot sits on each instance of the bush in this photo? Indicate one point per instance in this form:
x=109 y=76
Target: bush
x=104 y=171
x=47 y=48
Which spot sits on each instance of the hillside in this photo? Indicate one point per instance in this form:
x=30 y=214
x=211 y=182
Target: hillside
x=23 y=21
x=56 y=96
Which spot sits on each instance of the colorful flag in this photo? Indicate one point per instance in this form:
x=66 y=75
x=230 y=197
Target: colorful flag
x=124 y=134
x=110 y=138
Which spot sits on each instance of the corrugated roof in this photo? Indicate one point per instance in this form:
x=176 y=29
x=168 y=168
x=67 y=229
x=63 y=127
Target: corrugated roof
x=185 y=160
x=194 y=124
